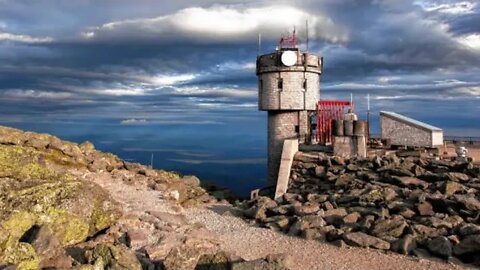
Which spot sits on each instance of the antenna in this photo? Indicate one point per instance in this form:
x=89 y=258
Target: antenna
x=368 y=116
x=259 y=48
x=306 y=28
x=368 y=101
x=151 y=161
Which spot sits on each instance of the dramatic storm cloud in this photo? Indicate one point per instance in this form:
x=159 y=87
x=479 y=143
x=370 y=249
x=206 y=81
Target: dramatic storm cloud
x=140 y=62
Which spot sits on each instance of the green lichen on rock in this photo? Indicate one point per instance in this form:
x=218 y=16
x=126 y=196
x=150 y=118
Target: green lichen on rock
x=102 y=218
x=19 y=223
x=22 y=255
x=35 y=189
x=168 y=175
x=70 y=229
x=22 y=163
x=113 y=257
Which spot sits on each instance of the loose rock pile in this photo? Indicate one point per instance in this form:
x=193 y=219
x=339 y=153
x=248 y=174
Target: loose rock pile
x=409 y=205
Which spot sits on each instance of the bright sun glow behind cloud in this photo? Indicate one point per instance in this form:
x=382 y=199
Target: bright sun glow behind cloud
x=222 y=23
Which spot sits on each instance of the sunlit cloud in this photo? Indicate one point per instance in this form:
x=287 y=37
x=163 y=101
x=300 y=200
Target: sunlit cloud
x=472 y=41
x=36 y=94
x=133 y=121
x=458 y=8
x=23 y=38
x=220 y=23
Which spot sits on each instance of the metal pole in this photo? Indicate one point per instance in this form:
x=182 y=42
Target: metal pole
x=351 y=102
x=259 y=48
x=368 y=116
x=307 y=33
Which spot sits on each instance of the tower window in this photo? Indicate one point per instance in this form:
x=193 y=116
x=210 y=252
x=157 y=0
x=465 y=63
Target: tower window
x=280 y=83
x=260 y=85
x=305 y=84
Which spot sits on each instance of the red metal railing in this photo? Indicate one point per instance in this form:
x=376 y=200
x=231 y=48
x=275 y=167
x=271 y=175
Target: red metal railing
x=327 y=111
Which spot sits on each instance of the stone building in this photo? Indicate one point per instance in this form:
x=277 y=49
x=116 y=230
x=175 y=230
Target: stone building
x=405 y=131
x=288 y=88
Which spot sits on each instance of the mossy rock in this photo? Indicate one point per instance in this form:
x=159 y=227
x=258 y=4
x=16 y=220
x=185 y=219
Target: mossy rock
x=113 y=257
x=22 y=255
x=32 y=192
x=11 y=136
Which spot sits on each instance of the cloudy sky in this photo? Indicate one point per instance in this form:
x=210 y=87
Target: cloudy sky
x=177 y=78
x=138 y=62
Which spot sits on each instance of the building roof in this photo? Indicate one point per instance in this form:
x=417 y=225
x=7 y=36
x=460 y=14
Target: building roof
x=409 y=121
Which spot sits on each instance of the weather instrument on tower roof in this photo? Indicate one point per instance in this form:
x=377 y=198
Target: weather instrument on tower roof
x=289 y=58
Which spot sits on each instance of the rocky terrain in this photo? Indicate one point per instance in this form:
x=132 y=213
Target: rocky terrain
x=408 y=205
x=69 y=206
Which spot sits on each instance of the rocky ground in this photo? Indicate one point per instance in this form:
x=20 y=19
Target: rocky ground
x=69 y=206
x=408 y=205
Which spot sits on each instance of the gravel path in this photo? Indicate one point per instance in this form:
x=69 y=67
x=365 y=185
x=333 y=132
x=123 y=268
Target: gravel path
x=250 y=242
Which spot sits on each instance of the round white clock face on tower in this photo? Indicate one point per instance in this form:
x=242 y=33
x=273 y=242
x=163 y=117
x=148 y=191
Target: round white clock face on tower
x=289 y=58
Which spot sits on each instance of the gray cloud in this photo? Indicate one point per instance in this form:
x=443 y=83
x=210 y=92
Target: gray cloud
x=184 y=61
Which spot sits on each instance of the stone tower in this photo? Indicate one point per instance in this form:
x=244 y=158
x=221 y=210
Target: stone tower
x=288 y=88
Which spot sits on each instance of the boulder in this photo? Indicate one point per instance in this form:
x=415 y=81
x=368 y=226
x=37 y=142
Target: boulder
x=72 y=208
x=440 y=246
x=449 y=188
x=407 y=181
x=407 y=213
x=469 y=245
x=314 y=221
x=182 y=258
x=218 y=261
x=423 y=231
x=136 y=239
x=470 y=203
x=425 y=209
x=320 y=171
x=312 y=234
x=47 y=247
x=298 y=227
x=115 y=256
x=344 y=180
x=364 y=240
x=459 y=177
x=404 y=245
x=336 y=160
x=393 y=227
x=466 y=229
x=352 y=218
x=318 y=198
x=277 y=222
x=271 y=262
x=306 y=209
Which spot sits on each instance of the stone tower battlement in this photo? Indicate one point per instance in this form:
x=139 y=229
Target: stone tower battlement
x=283 y=87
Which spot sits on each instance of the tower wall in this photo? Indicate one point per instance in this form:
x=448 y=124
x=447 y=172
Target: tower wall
x=283 y=125
x=288 y=93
